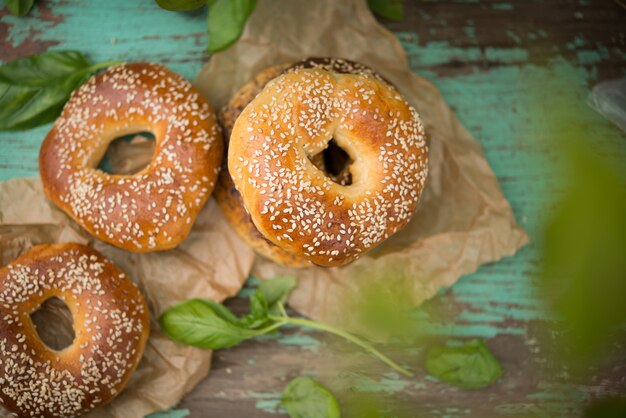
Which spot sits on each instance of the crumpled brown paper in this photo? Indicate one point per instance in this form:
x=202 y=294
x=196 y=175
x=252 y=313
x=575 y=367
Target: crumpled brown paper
x=211 y=263
x=463 y=219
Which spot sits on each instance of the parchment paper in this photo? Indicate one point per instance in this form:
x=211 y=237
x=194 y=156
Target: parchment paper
x=463 y=219
x=211 y=263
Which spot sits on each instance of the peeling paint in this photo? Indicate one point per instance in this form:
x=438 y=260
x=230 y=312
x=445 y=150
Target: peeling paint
x=268 y=402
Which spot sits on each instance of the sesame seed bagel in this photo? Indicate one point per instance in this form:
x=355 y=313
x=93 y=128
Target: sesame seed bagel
x=151 y=210
x=293 y=203
x=111 y=329
x=227 y=195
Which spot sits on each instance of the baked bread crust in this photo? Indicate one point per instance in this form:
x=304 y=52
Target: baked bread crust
x=294 y=204
x=111 y=326
x=151 y=210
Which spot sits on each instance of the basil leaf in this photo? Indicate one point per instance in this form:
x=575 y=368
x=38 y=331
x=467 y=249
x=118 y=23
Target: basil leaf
x=470 y=366
x=19 y=7
x=222 y=311
x=276 y=290
x=196 y=322
x=584 y=243
x=180 y=5
x=34 y=89
x=258 y=315
x=265 y=300
x=40 y=70
x=390 y=9
x=226 y=21
x=305 y=398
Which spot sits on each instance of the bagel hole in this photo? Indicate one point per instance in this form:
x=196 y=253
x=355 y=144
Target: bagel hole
x=128 y=154
x=335 y=163
x=54 y=323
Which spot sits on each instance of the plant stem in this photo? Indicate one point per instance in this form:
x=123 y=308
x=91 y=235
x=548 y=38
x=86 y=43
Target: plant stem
x=352 y=338
x=283 y=312
x=271 y=328
x=101 y=65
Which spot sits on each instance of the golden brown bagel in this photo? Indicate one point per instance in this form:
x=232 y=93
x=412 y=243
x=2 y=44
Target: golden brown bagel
x=227 y=195
x=155 y=208
x=111 y=329
x=297 y=206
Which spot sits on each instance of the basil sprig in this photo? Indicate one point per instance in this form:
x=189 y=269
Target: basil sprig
x=19 y=7
x=470 y=366
x=210 y=325
x=305 y=398
x=34 y=89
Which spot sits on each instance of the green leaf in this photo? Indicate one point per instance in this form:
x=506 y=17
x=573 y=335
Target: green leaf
x=180 y=5
x=33 y=90
x=584 y=267
x=471 y=366
x=226 y=21
x=611 y=406
x=40 y=70
x=258 y=315
x=305 y=398
x=390 y=9
x=276 y=290
x=266 y=299
x=19 y=7
x=201 y=324
x=222 y=311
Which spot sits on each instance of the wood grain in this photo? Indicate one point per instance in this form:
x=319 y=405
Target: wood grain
x=503 y=66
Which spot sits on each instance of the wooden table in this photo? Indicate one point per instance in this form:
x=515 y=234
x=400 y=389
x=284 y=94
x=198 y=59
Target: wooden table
x=485 y=56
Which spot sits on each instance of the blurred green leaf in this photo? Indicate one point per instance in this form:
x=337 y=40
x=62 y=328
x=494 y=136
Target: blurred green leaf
x=276 y=290
x=390 y=9
x=470 y=366
x=610 y=407
x=181 y=5
x=305 y=398
x=584 y=264
x=226 y=21
x=378 y=405
x=19 y=7
x=381 y=306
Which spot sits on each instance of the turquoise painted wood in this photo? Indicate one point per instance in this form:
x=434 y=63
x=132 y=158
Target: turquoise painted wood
x=502 y=66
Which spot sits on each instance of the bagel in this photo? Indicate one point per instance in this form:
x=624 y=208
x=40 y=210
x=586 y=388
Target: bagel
x=307 y=215
x=111 y=329
x=151 y=210
x=227 y=196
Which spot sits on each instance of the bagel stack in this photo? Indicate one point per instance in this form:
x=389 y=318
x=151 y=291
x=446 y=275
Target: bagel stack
x=277 y=189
